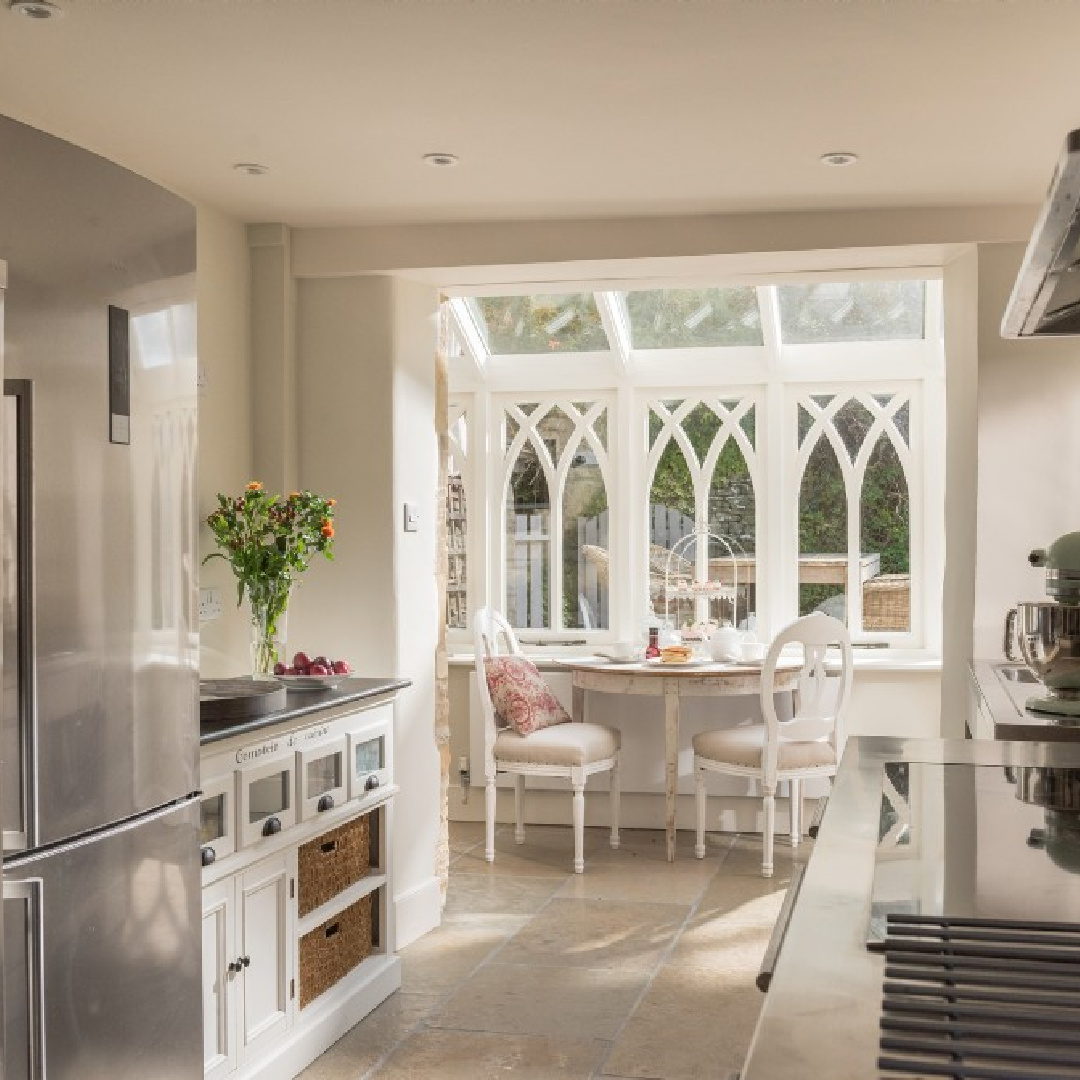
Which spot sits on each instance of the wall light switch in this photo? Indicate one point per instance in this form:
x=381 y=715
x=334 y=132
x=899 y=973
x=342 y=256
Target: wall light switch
x=209 y=605
x=412 y=517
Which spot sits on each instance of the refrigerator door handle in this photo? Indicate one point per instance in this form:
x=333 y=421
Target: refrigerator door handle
x=18 y=790
x=24 y=958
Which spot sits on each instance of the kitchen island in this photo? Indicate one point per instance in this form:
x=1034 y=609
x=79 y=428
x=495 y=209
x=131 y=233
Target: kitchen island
x=821 y=1014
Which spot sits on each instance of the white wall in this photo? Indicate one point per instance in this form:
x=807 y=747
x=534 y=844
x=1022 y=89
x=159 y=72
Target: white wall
x=345 y=398
x=1029 y=451
x=415 y=480
x=225 y=420
x=961 y=287
x=366 y=390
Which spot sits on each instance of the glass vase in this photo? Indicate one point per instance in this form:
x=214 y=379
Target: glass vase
x=269 y=613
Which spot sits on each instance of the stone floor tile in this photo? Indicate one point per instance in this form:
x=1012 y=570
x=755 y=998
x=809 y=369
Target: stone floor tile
x=361 y=1048
x=682 y=1032
x=588 y=1003
x=743 y=898
x=572 y=933
x=472 y=1055
x=464 y=835
x=653 y=843
x=746 y=853
x=725 y=957
x=630 y=874
x=483 y=893
x=440 y=959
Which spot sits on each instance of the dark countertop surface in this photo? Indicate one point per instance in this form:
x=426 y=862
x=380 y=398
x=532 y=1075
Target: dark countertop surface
x=300 y=703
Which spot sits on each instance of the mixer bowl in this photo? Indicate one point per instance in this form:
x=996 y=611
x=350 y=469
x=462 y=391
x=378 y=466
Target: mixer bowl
x=1049 y=636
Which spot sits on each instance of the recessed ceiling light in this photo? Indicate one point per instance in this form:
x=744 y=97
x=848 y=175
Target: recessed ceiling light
x=251 y=168
x=839 y=158
x=440 y=160
x=35 y=9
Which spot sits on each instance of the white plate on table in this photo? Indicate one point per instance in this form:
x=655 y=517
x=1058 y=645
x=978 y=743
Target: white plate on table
x=310 y=682
x=694 y=661
x=608 y=658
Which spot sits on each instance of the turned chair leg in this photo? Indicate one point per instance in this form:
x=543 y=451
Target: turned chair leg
x=615 y=791
x=578 y=781
x=519 y=809
x=795 y=800
x=489 y=819
x=700 y=804
x=767 y=840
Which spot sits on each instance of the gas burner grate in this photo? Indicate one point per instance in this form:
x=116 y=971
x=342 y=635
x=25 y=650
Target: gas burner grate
x=980 y=999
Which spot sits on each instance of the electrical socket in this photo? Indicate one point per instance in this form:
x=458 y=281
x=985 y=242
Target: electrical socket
x=209 y=605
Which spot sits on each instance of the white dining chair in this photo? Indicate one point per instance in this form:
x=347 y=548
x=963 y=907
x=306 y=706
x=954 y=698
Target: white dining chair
x=808 y=745
x=571 y=750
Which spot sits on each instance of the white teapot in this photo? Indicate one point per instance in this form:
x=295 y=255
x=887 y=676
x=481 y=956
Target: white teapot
x=725 y=642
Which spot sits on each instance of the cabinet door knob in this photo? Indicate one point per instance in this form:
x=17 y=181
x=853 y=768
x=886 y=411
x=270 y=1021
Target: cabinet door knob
x=371 y=783
x=273 y=825
x=234 y=967
x=246 y=961
x=325 y=803
x=208 y=855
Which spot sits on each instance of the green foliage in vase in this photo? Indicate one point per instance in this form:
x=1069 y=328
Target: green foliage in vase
x=268 y=540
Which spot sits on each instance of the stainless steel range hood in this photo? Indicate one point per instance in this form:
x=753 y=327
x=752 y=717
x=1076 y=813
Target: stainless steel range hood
x=1045 y=300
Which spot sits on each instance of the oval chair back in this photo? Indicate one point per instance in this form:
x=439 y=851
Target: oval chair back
x=821 y=698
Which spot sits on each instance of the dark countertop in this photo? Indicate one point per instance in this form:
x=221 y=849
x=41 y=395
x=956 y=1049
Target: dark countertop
x=300 y=703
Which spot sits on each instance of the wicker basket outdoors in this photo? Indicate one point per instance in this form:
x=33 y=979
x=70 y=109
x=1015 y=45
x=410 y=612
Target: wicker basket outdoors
x=887 y=603
x=332 y=862
x=330 y=951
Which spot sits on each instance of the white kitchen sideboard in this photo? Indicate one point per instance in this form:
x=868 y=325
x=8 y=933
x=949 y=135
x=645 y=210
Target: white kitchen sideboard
x=298 y=941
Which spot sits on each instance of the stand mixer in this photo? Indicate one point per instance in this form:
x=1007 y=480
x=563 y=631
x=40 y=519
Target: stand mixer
x=1049 y=630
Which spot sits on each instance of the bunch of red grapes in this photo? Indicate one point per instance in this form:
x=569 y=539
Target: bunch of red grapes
x=320 y=665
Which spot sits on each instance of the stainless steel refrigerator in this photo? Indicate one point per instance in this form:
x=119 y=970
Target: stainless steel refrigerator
x=99 y=737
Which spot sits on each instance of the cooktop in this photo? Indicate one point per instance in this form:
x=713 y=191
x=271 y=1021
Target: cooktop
x=977 y=841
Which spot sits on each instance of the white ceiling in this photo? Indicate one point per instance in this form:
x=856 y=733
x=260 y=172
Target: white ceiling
x=557 y=108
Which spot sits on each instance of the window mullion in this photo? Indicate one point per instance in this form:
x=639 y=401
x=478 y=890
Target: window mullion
x=615 y=326
x=469 y=335
x=627 y=540
x=853 y=482
x=485 y=466
x=556 y=487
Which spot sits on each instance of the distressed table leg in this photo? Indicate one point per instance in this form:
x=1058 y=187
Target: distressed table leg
x=577 y=704
x=671 y=759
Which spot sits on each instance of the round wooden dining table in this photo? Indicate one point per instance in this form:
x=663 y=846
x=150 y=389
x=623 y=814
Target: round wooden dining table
x=671 y=682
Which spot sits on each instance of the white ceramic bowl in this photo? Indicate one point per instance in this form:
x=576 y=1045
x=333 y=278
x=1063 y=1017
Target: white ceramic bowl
x=310 y=682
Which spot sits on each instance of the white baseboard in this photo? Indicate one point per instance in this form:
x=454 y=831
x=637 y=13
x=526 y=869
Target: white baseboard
x=640 y=810
x=417 y=911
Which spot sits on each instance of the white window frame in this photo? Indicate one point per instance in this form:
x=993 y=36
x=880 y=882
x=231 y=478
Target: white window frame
x=776 y=375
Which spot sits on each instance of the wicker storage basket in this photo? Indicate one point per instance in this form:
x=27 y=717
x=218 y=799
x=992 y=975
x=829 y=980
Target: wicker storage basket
x=333 y=862
x=887 y=603
x=330 y=951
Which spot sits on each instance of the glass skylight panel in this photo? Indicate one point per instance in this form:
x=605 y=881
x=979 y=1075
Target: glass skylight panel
x=829 y=311
x=515 y=325
x=693 y=318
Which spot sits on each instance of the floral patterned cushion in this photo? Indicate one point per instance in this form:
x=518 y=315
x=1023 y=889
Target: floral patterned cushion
x=520 y=696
